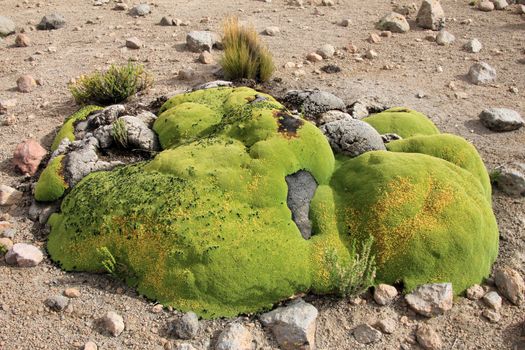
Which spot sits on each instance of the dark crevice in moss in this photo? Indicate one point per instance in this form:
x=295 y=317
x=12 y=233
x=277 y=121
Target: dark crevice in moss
x=288 y=123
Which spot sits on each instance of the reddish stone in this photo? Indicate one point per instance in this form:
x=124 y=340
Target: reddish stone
x=28 y=155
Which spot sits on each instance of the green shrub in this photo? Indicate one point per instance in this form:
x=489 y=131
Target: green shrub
x=244 y=54
x=356 y=277
x=112 y=86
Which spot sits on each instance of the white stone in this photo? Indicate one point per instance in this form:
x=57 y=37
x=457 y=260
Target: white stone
x=24 y=255
x=114 y=323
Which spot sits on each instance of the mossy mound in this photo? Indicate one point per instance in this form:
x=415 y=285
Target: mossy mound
x=68 y=128
x=205 y=226
x=430 y=219
x=403 y=122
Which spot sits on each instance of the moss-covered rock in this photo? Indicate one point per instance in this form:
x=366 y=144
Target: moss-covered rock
x=68 y=128
x=205 y=225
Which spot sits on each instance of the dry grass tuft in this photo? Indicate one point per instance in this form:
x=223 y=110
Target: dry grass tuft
x=244 y=54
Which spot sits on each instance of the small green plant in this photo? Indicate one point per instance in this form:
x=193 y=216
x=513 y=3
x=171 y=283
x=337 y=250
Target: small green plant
x=244 y=54
x=356 y=277
x=112 y=86
x=120 y=133
x=107 y=260
x=494 y=175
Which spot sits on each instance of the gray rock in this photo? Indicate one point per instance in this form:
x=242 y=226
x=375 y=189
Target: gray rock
x=384 y=294
x=326 y=51
x=62 y=148
x=366 y=334
x=104 y=136
x=133 y=43
x=52 y=21
x=199 y=41
x=352 y=137
x=431 y=15
x=500 y=4
x=481 y=73
x=147 y=118
x=445 y=38
x=428 y=338
x=293 y=326
x=186 y=327
x=57 y=303
x=24 y=255
x=106 y=116
x=510 y=179
x=473 y=46
x=213 y=84
x=114 y=323
x=475 y=292
x=332 y=116
x=493 y=300
x=9 y=233
x=272 y=30
x=7 y=26
x=501 y=119
x=184 y=346
x=234 y=337
x=141 y=10
x=431 y=299
x=313 y=102
x=510 y=284
x=491 y=315
x=301 y=189
x=365 y=106
x=139 y=135
x=166 y=21
x=387 y=325
x=394 y=22
x=82 y=160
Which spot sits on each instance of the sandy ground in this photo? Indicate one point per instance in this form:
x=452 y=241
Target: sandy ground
x=94 y=37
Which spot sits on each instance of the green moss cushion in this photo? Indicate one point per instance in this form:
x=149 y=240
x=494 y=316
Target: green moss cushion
x=430 y=219
x=402 y=121
x=51 y=184
x=205 y=225
x=68 y=128
x=451 y=148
